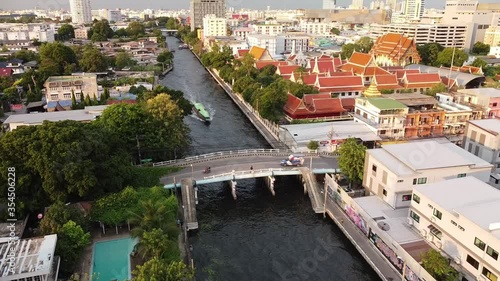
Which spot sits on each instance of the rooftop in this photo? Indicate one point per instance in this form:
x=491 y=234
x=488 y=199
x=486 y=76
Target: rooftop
x=491 y=125
x=33 y=256
x=431 y=154
x=385 y=103
x=413 y=99
x=490 y=92
x=87 y=114
x=468 y=197
x=341 y=130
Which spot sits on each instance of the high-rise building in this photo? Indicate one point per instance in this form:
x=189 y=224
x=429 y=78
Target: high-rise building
x=80 y=11
x=329 y=4
x=392 y=4
x=214 y=26
x=357 y=4
x=414 y=9
x=200 y=8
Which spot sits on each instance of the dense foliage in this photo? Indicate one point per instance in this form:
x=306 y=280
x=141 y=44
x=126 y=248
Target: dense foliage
x=438 y=266
x=352 y=159
x=363 y=45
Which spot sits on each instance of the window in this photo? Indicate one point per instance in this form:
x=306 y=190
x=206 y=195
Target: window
x=462 y=175
x=374 y=168
x=414 y=216
x=472 y=262
x=436 y=232
x=476 y=150
x=403 y=180
x=482 y=138
x=416 y=198
x=384 y=192
x=407 y=197
x=473 y=135
x=492 y=253
x=419 y=181
x=453 y=222
x=479 y=243
x=54 y=97
x=384 y=177
x=437 y=214
x=487 y=273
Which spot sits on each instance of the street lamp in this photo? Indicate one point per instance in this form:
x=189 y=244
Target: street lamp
x=192 y=171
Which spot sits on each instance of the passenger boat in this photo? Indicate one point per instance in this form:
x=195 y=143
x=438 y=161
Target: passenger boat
x=201 y=112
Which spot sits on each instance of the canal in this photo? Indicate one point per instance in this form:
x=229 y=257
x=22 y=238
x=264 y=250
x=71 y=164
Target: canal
x=258 y=237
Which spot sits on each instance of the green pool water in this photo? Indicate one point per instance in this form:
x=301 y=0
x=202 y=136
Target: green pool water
x=111 y=259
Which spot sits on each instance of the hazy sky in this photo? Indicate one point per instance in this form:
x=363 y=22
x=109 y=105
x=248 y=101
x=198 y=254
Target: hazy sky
x=179 y=4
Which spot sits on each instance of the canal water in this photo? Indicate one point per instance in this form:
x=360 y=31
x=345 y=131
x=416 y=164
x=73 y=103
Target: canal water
x=259 y=236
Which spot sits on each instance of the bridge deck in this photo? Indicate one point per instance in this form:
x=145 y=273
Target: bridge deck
x=313 y=190
x=189 y=204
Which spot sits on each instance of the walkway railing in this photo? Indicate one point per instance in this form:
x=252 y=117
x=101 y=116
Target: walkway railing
x=242 y=173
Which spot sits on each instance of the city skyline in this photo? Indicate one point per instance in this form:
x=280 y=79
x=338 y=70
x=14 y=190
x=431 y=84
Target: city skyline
x=184 y=4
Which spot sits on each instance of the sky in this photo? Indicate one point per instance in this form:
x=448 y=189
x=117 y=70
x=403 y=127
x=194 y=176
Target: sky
x=184 y=4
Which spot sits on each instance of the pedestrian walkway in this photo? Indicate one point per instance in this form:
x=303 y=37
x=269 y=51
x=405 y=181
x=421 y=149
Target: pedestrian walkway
x=371 y=254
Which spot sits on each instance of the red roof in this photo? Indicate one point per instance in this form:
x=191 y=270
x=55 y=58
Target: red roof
x=421 y=80
x=389 y=79
x=337 y=74
x=242 y=53
x=360 y=59
x=121 y=101
x=400 y=73
x=309 y=79
x=348 y=103
x=346 y=81
x=292 y=57
x=286 y=69
x=286 y=76
x=6 y=72
x=261 y=64
x=328 y=106
x=395 y=46
x=320 y=105
x=308 y=99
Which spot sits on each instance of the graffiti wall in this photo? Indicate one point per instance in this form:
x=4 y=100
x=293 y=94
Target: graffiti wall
x=356 y=219
x=386 y=251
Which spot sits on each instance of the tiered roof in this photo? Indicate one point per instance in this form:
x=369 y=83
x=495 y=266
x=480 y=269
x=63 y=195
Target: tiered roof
x=313 y=105
x=421 y=80
x=337 y=84
x=363 y=65
x=395 y=47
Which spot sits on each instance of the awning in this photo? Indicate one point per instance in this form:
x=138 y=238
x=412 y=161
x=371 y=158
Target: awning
x=434 y=231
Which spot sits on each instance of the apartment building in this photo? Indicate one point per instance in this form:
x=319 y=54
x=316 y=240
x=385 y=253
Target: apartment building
x=292 y=41
x=214 y=26
x=492 y=36
x=316 y=28
x=486 y=98
x=456 y=115
x=29 y=259
x=271 y=29
x=447 y=35
x=14 y=32
x=424 y=119
x=482 y=138
x=461 y=218
x=242 y=32
x=200 y=8
x=394 y=170
x=414 y=9
x=82 y=33
x=264 y=41
x=384 y=116
x=81 y=12
x=59 y=89
x=477 y=16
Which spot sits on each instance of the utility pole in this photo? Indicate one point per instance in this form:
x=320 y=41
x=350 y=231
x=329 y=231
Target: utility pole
x=451 y=67
x=138 y=148
x=330 y=137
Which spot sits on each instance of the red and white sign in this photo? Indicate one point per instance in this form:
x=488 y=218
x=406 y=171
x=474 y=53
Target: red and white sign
x=16 y=106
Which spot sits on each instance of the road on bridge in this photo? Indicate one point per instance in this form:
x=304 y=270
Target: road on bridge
x=227 y=165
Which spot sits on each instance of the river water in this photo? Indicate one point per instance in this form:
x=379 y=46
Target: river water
x=259 y=236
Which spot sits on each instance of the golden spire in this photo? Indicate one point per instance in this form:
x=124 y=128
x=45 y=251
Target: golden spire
x=372 y=90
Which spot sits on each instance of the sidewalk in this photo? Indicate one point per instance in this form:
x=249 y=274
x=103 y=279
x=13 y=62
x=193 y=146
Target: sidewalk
x=371 y=254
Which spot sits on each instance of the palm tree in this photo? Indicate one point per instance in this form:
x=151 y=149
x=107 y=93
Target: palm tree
x=155 y=214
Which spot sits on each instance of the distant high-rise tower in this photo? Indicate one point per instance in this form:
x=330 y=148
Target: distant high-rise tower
x=329 y=4
x=200 y=8
x=392 y=4
x=414 y=9
x=357 y=4
x=80 y=11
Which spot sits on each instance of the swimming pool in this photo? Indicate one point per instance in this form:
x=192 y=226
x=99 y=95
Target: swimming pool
x=111 y=259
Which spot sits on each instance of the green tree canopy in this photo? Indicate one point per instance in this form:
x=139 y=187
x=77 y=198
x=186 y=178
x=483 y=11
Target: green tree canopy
x=313 y=145
x=172 y=23
x=438 y=266
x=159 y=270
x=57 y=59
x=135 y=29
x=124 y=59
x=335 y=31
x=93 y=60
x=352 y=159
x=445 y=57
x=71 y=240
x=65 y=32
x=101 y=31
x=437 y=88
x=121 y=32
x=480 y=48
x=57 y=215
x=479 y=63
x=429 y=52
x=348 y=49
x=26 y=55
x=157 y=244
x=364 y=44
x=165 y=57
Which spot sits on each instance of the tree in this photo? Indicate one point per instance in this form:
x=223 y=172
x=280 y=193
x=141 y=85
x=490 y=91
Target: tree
x=151 y=214
x=480 y=48
x=135 y=29
x=313 y=145
x=157 y=244
x=364 y=44
x=65 y=32
x=437 y=88
x=73 y=100
x=55 y=58
x=123 y=59
x=429 y=52
x=57 y=215
x=101 y=31
x=87 y=101
x=438 y=266
x=352 y=159
x=71 y=240
x=172 y=23
x=479 y=63
x=159 y=270
x=165 y=57
x=348 y=49
x=445 y=57
x=26 y=55
x=122 y=32
x=93 y=60
x=335 y=31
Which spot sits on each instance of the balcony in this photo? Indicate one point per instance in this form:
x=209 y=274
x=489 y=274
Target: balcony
x=377 y=125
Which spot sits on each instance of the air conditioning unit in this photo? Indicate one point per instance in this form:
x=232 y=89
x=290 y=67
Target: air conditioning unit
x=410 y=221
x=439 y=245
x=423 y=232
x=433 y=219
x=457 y=260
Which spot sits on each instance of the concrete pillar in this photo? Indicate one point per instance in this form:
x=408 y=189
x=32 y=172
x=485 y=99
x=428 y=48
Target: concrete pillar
x=270 y=184
x=233 y=189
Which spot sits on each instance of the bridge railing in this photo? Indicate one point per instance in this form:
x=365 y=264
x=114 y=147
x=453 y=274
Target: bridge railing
x=241 y=173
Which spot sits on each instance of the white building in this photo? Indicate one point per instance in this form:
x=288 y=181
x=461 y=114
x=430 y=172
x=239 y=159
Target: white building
x=414 y=9
x=214 y=26
x=242 y=32
x=200 y=8
x=59 y=89
x=29 y=259
x=383 y=115
x=292 y=41
x=81 y=12
x=356 y=4
x=494 y=51
x=266 y=29
x=89 y=114
x=461 y=218
x=316 y=28
x=482 y=138
x=41 y=31
x=391 y=172
x=110 y=15
x=263 y=41
x=447 y=35
x=477 y=16
x=329 y=4
x=82 y=33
